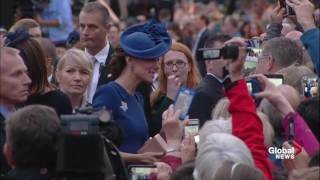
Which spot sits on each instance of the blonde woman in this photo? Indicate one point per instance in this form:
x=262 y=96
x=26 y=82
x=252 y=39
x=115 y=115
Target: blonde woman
x=176 y=68
x=74 y=72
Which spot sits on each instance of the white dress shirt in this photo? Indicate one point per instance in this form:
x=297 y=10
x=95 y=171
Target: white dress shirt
x=99 y=60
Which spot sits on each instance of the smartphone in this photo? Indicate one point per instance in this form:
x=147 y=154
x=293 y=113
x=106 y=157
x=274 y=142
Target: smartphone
x=289 y=10
x=253 y=85
x=183 y=101
x=141 y=172
x=276 y=79
x=310 y=86
x=192 y=128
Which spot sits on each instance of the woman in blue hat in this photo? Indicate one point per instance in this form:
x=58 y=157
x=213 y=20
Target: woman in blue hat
x=134 y=62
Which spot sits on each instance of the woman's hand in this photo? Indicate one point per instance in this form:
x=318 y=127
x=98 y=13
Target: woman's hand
x=188 y=149
x=173 y=85
x=172 y=127
x=143 y=158
x=300 y=160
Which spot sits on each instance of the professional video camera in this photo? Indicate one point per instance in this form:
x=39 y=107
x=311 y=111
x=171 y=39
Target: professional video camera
x=85 y=150
x=227 y=52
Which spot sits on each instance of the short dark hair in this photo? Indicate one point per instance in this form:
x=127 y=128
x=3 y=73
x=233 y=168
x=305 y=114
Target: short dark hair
x=93 y=7
x=32 y=133
x=205 y=19
x=213 y=38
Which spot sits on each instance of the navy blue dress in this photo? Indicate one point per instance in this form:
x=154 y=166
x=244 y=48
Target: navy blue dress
x=127 y=111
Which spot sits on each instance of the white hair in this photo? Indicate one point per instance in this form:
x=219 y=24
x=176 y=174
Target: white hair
x=215 y=126
x=217 y=148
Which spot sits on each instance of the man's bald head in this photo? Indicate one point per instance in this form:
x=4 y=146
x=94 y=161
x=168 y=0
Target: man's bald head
x=291 y=94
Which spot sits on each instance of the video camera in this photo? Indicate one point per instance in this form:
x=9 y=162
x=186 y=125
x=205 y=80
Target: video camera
x=227 y=52
x=84 y=148
x=232 y=51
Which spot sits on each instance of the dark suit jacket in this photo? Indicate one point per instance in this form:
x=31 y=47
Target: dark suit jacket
x=4 y=167
x=103 y=79
x=208 y=93
x=198 y=55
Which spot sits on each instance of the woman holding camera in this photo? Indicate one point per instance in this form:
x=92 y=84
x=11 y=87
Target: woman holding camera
x=133 y=63
x=74 y=73
x=177 y=68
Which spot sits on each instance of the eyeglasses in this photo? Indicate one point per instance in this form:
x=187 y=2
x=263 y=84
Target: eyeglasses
x=179 y=64
x=262 y=57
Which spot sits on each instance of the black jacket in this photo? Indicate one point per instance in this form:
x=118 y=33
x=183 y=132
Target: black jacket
x=208 y=93
x=103 y=79
x=28 y=174
x=4 y=167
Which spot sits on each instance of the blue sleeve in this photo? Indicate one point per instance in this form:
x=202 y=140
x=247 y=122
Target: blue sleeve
x=105 y=97
x=274 y=30
x=310 y=40
x=64 y=14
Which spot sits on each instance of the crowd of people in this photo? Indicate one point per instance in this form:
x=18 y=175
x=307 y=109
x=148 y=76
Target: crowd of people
x=133 y=58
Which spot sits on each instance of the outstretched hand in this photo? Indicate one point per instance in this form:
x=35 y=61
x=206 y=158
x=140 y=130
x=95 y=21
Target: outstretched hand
x=235 y=66
x=270 y=92
x=304 y=12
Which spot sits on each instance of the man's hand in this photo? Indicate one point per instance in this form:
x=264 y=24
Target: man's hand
x=277 y=14
x=304 y=12
x=235 y=66
x=270 y=92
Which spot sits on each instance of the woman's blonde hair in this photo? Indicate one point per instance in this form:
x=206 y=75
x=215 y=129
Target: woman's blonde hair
x=193 y=76
x=79 y=57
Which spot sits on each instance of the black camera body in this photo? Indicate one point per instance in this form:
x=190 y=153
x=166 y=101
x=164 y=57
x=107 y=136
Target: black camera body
x=227 y=52
x=84 y=150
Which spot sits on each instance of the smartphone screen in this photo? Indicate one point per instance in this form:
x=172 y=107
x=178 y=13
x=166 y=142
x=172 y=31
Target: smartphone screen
x=183 y=101
x=249 y=85
x=310 y=86
x=276 y=79
x=192 y=128
x=141 y=172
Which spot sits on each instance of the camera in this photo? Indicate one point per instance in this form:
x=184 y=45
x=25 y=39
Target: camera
x=254 y=87
x=85 y=150
x=141 y=172
x=227 y=52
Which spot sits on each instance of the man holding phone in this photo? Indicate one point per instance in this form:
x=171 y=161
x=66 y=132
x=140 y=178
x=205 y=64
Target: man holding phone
x=310 y=38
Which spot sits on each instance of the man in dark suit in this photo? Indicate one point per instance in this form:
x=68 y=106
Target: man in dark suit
x=210 y=91
x=14 y=88
x=94 y=21
x=203 y=32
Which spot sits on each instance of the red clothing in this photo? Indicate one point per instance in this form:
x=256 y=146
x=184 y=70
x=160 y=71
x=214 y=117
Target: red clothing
x=173 y=161
x=247 y=126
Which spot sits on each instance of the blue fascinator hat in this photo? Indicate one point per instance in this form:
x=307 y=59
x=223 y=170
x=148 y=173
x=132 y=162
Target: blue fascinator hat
x=146 y=41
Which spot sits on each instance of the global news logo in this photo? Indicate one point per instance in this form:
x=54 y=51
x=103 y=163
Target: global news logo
x=285 y=153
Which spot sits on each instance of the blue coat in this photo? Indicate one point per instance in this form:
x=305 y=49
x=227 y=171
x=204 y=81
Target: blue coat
x=311 y=41
x=127 y=111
